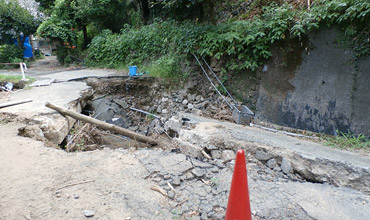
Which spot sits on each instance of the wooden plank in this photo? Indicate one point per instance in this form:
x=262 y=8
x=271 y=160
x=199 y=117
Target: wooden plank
x=8 y=104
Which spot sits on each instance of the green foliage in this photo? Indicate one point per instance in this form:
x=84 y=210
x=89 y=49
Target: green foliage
x=348 y=140
x=352 y=16
x=46 y=5
x=167 y=66
x=15 y=78
x=10 y=53
x=104 y=14
x=243 y=44
x=15 y=20
x=60 y=25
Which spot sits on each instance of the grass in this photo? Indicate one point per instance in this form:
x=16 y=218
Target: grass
x=348 y=140
x=14 y=78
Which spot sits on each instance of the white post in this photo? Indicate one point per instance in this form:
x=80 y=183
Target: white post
x=22 y=70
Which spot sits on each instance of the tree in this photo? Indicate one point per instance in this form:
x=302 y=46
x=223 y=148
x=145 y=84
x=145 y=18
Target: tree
x=15 y=20
x=46 y=5
x=103 y=14
x=70 y=15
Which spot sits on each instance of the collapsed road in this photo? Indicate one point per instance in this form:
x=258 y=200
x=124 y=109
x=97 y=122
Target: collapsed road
x=187 y=177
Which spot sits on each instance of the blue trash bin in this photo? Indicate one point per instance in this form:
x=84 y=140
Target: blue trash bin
x=132 y=70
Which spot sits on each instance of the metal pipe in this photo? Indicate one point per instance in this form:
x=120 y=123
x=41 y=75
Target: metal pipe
x=212 y=82
x=219 y=81
x=147 y=113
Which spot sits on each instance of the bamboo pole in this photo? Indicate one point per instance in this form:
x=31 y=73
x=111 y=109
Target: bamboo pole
x=103 y=125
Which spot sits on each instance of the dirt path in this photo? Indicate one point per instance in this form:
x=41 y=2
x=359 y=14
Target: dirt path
x=37 y=182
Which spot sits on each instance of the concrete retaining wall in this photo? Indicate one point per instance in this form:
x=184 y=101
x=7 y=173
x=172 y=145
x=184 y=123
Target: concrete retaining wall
x=326 y=91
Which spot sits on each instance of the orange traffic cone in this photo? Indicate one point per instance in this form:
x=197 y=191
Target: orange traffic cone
x=238 y=207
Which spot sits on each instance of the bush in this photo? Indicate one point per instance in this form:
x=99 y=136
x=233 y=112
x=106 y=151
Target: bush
x=10 y=53
x=167 y=66
x=244 y=44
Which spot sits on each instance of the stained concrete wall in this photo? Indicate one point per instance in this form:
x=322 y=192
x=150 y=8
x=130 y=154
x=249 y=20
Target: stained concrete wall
x=326 y=91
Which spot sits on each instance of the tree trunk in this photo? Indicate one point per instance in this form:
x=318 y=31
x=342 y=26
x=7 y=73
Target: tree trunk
x=145 y=10
x=86 y=38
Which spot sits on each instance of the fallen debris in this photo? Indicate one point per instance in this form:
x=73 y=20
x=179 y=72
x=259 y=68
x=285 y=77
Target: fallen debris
x=8 y=104
x=75 y=184
x=89 y=213
x=103 y=125
x=159 y=189
x=144 y=112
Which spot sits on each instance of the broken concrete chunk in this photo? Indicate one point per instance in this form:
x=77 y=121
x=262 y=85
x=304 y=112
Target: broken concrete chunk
x=198 y=172
x=271 y=163
x=263 y=156
x=286 y=167
x=173 y=124
x=216 y=154
x=176 y=181
x=32 y=131
x=122 y=103
x=227 y=155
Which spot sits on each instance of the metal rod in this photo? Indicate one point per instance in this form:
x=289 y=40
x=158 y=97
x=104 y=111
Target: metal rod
x=214 y=74
x=147 y=113
x=212 y=82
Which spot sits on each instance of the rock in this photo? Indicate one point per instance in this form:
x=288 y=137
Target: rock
x=171 y=195
x=190 y=97
x=89 y=213
x=202 y=105
x=179 y=100
x=166 y=177
x=216 y=154
x=119 y=122
x=286 y=167
x=190 y=106
x=122 y=103
x=198 y=98
x=214 y=170
x=212 y=147
x=189 y=176
x=227 y=155
x=198 y=172
x=173 y=124
x=159 y=109
x=271 y=163
x=185 y=102
x=76 y=196
x=263 y=156
x=203 y=216
x=200 y=164
x=133 y=128
x=164 y=111
x=152 y=109
x=176 y=181
x=32 y=131
x=164 y=99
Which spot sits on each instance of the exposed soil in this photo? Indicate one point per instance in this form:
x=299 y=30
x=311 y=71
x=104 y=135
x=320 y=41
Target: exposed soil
x=188 y=178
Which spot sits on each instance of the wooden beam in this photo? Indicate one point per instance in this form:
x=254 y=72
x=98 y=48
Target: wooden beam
x=8 y=104
x=103 y=125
